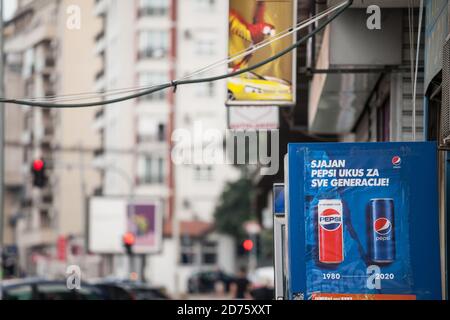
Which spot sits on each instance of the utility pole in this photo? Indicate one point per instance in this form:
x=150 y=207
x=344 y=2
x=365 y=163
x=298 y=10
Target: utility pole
x=2 y=147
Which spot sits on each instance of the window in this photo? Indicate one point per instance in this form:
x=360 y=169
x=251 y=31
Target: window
x=153 y=78
x=205 y=43
x=152 y=170
x=153 y=7
x=187 y=251
x=203 y=173
x=153 y=44
x=209 y=253
x=45 y=218
x=205 y=4
x=151 y=130
x=161 y=132
x=206 y=90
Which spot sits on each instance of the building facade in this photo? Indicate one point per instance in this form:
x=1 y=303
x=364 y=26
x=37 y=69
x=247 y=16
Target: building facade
x=44 y=59
x=154 y=44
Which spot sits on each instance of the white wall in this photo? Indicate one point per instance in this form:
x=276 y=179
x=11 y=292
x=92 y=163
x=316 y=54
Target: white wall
x=194 y=25
x=161 y=271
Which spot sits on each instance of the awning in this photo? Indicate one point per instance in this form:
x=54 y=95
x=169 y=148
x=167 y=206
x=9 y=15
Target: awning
x=193 y=229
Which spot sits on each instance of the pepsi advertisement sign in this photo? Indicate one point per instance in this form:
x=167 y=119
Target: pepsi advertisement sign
x=363 y=221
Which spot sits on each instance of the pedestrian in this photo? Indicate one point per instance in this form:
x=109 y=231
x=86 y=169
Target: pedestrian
x=240 y=288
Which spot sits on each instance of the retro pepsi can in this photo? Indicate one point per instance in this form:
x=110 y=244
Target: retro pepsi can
x=331 y=233
x=381 y=230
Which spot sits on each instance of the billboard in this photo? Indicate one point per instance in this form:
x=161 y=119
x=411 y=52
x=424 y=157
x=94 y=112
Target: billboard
x=364 y=223
x=110 y=218
x=254 y=22
x=253 y=118
x=143 y=222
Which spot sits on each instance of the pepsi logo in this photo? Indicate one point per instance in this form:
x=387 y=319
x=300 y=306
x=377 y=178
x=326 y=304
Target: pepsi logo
x=396 y=161
x=330 y=220
x=383 y=226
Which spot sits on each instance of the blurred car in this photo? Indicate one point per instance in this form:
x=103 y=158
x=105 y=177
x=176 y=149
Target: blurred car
x=252 y=87
x=129 y=290
x=263 y=283
x=205 y=281
x=39 y=289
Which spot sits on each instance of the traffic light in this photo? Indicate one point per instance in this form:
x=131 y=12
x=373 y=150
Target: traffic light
x=129 y=240
x=38 y=171
x=248 y=245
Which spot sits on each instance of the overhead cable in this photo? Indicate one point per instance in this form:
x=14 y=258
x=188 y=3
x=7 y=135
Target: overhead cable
x=175 y=83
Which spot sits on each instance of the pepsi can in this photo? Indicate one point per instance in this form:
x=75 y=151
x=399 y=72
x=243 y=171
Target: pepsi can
x=381 y=231
x=330 y=233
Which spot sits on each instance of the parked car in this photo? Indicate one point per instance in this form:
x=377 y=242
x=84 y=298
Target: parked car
x=205 y=281
x=115 y=289
x=39 y=289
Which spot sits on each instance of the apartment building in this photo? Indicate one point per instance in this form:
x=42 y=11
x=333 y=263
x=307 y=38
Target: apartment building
x=153 y=44
x=46 y=56
x=201 y=33
x=133 y=156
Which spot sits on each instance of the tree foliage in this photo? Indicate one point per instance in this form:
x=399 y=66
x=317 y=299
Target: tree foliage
x=235 y=207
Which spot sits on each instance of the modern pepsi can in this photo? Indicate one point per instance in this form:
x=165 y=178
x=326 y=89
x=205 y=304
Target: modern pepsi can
x=381 y=230
x=330 y=233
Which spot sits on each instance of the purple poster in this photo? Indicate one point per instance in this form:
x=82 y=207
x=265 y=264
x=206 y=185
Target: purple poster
x=142 y=223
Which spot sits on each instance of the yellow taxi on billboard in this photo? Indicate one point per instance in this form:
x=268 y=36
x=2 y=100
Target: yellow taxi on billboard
x=253 y=87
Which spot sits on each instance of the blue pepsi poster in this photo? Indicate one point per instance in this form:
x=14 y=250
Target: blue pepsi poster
x=363 y=221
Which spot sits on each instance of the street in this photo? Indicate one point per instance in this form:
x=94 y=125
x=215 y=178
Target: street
x=237 y=150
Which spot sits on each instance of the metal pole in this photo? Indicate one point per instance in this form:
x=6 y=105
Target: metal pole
x=2 y=151
x=143 y=267
x=253 y=258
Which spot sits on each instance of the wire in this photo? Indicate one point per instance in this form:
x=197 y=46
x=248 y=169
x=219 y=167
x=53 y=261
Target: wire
x=89 y=94
x=279 y=36
x=228 y=60
x=246 y=52
x=419 y=33
x=174 y=84
x=411 y=50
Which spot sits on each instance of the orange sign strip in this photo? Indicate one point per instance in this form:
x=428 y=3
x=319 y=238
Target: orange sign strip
x=338 y=296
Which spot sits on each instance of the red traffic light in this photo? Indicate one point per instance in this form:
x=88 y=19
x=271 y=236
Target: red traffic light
x=129 y=239
x=248 y=245
x=38 y=165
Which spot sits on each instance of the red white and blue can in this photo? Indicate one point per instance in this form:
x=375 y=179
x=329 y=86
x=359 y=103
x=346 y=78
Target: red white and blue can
x=331 y=231
x=381 y=231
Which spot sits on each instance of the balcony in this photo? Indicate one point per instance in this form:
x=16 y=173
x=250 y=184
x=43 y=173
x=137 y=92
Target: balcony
x=100 y=7
x=41 y=33
x=100 y=43
x=100 y=81
x=153 y=53
x=99 y=122
x=153 y=11
x=40 y=236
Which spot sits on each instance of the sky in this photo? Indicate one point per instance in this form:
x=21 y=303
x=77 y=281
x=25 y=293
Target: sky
x=9 y=7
